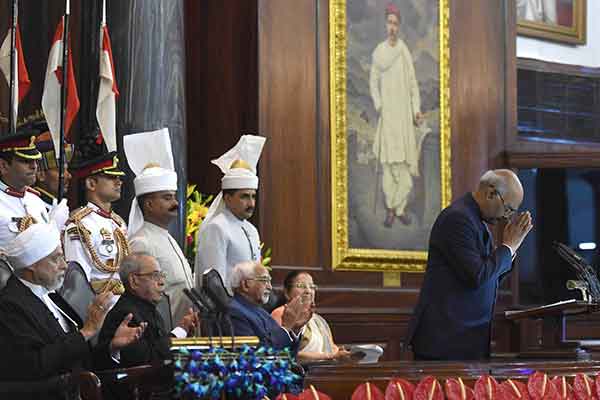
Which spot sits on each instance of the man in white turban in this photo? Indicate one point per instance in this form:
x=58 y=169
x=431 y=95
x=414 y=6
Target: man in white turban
x=226 y=237
x=153 y=209
x=41 y=335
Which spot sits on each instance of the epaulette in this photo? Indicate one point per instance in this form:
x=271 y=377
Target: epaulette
x=32 y=190
x=78 y=214
x=117 y=218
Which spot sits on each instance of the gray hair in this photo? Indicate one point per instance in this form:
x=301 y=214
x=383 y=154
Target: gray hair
x=491 y=178
x=132 y=264
x=242 y=271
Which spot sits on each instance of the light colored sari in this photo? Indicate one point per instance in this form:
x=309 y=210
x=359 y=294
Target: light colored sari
x=317 y=336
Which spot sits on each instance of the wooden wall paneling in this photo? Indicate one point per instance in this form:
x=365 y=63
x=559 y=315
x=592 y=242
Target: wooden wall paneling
x=288 y=115
x=510 y=72
x=323 y=133
x=477 y=54
x=221 y=81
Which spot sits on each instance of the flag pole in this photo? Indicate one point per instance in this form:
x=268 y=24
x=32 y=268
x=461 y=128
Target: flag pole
x=12 y=116
x=63 y=101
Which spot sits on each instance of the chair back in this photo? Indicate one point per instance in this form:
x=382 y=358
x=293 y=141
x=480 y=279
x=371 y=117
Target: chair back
x=164 y=309
x=77 y=290
x=214 y=287
x=6 y=272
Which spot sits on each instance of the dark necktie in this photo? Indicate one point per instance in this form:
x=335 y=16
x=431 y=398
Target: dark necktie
x=249 y=243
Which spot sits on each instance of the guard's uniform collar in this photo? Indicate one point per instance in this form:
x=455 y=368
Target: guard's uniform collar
x=46 y=196
x=12 y=191
x=98 y=210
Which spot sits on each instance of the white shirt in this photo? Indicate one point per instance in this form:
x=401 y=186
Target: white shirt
x=42 y=293
x=224 y=242
x=14 y=207
x=160 y=244
x=102 y=235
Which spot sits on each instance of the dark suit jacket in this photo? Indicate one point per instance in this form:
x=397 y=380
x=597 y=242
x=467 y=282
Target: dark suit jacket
x=248 y=319
x=154 y=344
x=452 y=319
x=34 y=346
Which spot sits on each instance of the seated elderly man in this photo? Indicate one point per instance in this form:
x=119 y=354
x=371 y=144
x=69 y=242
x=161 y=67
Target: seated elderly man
x=251 y=284
x=144 y=285
x=41 y=336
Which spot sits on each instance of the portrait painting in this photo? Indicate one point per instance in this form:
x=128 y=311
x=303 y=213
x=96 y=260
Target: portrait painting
x=390 y=130
x=558 y=20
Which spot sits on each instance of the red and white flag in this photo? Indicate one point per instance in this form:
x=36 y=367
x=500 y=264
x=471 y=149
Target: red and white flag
x=19 y=68
x=107 y=93
x=53 y=86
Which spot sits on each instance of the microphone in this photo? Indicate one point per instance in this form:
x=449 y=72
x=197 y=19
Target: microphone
x=199 y=305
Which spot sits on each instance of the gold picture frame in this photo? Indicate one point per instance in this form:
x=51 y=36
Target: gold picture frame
x=566 y=23
x=373 y=258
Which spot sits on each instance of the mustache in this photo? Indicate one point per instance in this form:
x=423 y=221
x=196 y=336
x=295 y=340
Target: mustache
x=250 y=209
x=174 y=208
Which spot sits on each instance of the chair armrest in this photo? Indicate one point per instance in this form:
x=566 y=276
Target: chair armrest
x=89 y=385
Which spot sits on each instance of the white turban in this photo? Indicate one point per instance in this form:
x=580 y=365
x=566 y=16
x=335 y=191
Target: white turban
x=33 y=244
x=150 y=158
x=239 y=168
x=155 y=179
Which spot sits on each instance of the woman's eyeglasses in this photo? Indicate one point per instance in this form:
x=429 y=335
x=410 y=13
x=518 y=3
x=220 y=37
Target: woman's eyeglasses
x=306 y=286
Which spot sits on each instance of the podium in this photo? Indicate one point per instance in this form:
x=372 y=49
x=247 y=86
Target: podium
x=553 y=342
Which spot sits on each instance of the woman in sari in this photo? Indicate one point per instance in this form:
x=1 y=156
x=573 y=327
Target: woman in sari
x=317 y=342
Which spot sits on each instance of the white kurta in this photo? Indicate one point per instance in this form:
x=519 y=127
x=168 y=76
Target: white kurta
x=13 y=208
x=224 y=242
x=103 y=240
x=395 y=93
x=537 y=10
x=160 y=244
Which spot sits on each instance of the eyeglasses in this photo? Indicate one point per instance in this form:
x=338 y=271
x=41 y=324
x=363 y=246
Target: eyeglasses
x=508 y=210
x=154 y=275
x=262 y=279
x=305 y=286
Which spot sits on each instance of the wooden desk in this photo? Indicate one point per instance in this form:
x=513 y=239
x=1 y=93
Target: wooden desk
x=339 y=381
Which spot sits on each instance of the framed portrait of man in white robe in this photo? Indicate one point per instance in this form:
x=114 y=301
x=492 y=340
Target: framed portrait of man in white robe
x=557 y=20
x=390 y=130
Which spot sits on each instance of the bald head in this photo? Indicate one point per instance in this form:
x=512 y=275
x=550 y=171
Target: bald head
x=505 y=181
x=499 y=194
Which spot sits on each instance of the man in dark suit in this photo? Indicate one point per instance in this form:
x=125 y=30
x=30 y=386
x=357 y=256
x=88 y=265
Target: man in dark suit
x=251 y=284
x=144 y=283
x=452 y=320
x=41 y=336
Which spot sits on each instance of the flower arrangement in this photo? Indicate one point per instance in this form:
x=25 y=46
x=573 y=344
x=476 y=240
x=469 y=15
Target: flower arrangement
x=249 y=373
x=196 y=207
x=265 y=256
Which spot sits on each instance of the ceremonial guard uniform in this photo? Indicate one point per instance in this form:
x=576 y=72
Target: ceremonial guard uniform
x=225 y=239
x=19 y=208
x=150 y=158
x=95 y=238
x=46 y=186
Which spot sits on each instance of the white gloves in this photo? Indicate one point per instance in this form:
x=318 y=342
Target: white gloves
x=60 y=214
